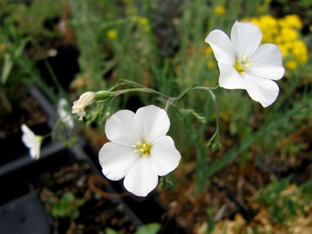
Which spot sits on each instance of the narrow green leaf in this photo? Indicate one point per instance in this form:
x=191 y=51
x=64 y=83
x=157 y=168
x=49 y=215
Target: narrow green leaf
x=7 y=67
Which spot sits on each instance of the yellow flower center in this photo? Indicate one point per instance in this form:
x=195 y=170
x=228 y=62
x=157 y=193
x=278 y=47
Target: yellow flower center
x=143 y=148
x=241 y=66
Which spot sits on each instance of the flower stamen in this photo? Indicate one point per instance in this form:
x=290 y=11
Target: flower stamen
x=241 y=66
x=143 y=148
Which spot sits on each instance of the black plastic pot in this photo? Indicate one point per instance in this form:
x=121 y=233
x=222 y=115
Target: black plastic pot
x=24 y=215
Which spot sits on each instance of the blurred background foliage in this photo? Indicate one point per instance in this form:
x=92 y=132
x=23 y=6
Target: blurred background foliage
x=67 y=47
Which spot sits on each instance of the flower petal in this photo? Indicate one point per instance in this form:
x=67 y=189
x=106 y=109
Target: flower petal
x=267 y=62
x=27 y=133
x=246 y=38
x=261 y=90
x=142 y=178
x=165 y=157
x=229 y=78
x=35 y=149
x=116 y=160
x=120 y=128
x=222 y=46
x=31 y=141
x=152 y=122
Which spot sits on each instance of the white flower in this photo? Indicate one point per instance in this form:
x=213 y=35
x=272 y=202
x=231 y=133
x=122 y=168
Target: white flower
x=65 y=116
x=31 y=141
x=139 y=149
x=245 y=65
x=85 y=100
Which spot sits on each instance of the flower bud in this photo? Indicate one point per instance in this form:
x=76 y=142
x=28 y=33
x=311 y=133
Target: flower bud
x=84 y=100
x=102 y=95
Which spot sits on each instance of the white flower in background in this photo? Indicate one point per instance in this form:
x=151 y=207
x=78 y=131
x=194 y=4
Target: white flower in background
x=84 y=100
x=245 y=64
x=139 y=149
x=65 y=116
x=31 y=141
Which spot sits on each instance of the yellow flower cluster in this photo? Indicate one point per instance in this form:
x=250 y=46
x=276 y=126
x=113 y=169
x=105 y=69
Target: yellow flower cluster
x=285 y=33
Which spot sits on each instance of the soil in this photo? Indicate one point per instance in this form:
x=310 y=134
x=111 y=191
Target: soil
x=230 y=198
x=92 y=209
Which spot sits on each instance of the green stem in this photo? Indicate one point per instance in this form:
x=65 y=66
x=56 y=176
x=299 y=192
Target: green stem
x=213 y=97
x=169 y=99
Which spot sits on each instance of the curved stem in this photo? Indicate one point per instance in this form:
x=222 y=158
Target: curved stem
x=143 y=90
x=148 y=90
x=213 y=96
x=169 y=99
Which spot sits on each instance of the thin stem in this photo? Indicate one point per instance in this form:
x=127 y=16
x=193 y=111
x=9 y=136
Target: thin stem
x=213 y=96
x=169 y=101
x=153 y=91
x=206 y=88
x=143 y=90
x=168 y=98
